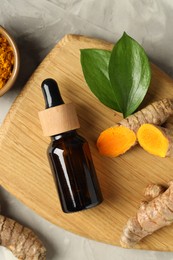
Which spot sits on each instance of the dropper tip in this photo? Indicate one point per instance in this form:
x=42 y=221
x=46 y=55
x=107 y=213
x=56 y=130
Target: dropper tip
x=48 y=81
x=51 y=93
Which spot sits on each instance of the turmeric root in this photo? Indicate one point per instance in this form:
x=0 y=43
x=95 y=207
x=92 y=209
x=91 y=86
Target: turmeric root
x=156 y=140
x=156 y=113
x=151 y=216
x=153 y=190
x=111 y=142
x=23 y=243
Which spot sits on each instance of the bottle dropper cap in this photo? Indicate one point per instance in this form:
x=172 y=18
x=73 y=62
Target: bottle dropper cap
x=57 y=117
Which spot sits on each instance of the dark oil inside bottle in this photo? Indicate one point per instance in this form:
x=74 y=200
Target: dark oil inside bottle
x=74 y=172
x=71 y=163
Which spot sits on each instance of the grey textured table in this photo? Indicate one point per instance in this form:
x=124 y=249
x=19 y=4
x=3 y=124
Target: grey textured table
x=38 y=26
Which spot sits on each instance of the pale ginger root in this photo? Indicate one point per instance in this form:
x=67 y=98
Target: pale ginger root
x=23 y=243
x=151 y=216
x=118 y=139
x=153 y=190
x=156 y=140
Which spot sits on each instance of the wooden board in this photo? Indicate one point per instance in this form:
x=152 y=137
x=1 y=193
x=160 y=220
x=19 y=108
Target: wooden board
x=24 y=169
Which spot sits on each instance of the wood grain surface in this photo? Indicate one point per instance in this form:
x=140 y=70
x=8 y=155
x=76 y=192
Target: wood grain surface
x=24 y=169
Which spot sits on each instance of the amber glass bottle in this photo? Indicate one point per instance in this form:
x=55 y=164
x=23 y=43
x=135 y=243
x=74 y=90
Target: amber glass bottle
x=70 y=158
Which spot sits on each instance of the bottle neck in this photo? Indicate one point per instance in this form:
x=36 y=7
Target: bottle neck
x=66 y=134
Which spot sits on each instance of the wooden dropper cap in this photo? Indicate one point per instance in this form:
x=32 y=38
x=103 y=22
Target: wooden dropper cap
x=58 y=117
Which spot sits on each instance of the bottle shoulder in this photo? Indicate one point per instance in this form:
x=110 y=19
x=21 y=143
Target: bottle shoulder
x=67 y=137
x=66 y=141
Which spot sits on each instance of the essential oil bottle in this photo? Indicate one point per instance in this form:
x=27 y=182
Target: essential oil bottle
x=68 y=153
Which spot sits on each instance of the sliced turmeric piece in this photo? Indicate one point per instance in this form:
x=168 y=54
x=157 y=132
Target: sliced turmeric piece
x=155 y=140
x=115 y=141
x=151 y=216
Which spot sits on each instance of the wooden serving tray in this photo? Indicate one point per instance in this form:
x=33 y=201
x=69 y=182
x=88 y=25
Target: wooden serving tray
x=24 y=169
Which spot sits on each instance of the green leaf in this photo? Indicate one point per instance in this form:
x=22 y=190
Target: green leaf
x=95 y=69
x=129 y=73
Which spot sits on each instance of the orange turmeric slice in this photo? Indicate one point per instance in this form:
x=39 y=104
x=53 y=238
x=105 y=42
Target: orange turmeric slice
x=153 y=140
x=115 y=141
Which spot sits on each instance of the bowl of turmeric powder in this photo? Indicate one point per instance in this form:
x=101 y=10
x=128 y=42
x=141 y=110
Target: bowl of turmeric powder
x=9 y=61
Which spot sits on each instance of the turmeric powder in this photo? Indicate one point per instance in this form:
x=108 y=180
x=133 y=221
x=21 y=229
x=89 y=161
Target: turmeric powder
x=6 y=60
x=151 y=216
x=110 y=141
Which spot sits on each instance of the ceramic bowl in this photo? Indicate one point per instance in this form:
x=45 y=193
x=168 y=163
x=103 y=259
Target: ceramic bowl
x=10 y=82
